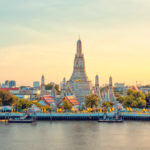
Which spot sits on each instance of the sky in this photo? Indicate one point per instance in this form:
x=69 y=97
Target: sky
x=39 y=37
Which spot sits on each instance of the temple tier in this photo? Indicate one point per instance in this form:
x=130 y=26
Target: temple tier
x=79 y=83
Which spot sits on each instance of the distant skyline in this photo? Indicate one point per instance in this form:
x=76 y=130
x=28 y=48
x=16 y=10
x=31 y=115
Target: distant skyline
x=39 y=37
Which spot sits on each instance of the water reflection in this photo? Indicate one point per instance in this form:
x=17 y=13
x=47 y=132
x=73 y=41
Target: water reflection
x=72 y=135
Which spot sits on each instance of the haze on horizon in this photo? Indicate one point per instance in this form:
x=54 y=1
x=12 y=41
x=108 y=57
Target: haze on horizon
x=39 y=37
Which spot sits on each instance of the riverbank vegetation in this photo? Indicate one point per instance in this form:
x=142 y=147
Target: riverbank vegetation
x=91 y=101
x=6 y=98
x=133 y=99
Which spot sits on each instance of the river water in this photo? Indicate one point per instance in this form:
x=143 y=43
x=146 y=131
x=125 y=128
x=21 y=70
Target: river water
x=75 y=135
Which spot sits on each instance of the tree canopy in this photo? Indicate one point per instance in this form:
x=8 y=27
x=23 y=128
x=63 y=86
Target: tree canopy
x=148 y=97
x=23 y=104
x=91 y=100
x=134 y=99
x=66 y=105
x=107 y=104
x=6 y=98
x=50 y=86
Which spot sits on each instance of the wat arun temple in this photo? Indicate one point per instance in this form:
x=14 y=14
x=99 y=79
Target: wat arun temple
x=79 y=82
x=80 y=86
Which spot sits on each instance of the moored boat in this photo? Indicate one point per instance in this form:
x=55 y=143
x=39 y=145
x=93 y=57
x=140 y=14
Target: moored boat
x=111 y=120
x=115 y=119
x=17 y=120
x=23 y=119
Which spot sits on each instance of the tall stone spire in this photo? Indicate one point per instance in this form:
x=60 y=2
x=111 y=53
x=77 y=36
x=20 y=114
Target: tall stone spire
x=79 y=47
x=97 y=88
x=108 y=93
x=111 y=92
x=42 y=80
x=43 y=91
x=110 y=81
x=97 y=81
x=79 y=72
x=79 y=83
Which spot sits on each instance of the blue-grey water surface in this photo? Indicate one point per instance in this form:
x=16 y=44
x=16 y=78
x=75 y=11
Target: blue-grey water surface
x=73 y=135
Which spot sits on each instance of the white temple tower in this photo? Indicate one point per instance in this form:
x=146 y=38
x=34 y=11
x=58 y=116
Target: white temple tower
x=111 y=92
x=43 y=91
x=79 y=83
x=63 y=88
x=97 y=87
x=108 y=93
x=53 y=91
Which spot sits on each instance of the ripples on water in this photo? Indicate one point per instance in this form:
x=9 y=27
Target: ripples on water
x=73 y=135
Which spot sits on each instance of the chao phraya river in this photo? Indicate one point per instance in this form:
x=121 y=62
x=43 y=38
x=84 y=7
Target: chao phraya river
x=73 y=135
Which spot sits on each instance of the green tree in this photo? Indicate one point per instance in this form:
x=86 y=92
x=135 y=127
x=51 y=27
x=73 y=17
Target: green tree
x=48 y=108
x=135 y=94
x=91 y=100
x=7 y=98
x=66 y=105
x=57 y=89
x=134 y=104
x=120 y=99
x=50 y=86
x=23 y=104
x=134 y=99
x=127 y=101
x=148 y=97
x=141 y=103
x=107 y=104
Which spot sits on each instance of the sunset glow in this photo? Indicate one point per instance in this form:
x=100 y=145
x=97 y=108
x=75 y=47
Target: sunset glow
x=39 y=37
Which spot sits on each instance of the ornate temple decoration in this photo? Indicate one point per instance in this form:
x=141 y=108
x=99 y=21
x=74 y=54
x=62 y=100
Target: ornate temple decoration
x=79 y=83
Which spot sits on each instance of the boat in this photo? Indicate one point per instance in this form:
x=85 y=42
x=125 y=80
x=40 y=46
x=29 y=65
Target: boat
x=111 y=120
x=23 y=119
x=115 y=119
x=17 y=120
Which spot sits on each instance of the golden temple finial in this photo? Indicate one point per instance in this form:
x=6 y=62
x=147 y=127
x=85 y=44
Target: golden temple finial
x=79 y=37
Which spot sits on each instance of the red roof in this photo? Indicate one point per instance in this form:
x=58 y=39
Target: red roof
x=10 y=89
x=48 y=99
x=72 y=99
